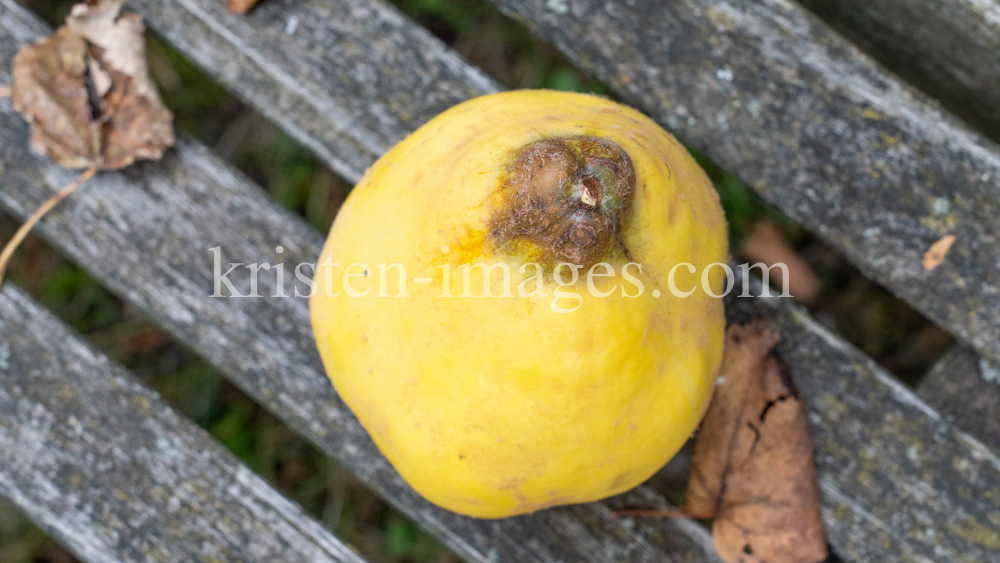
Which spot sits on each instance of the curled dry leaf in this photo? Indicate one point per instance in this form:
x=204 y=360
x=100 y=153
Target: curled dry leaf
x=241 y=6
x=87 y=93
x=753 y=466
x=50 y=92
x=935 y=255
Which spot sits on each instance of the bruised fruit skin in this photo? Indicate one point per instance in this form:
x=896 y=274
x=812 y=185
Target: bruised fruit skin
x=559 y=388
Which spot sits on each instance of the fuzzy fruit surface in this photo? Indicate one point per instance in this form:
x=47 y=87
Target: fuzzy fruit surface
x=497 y=406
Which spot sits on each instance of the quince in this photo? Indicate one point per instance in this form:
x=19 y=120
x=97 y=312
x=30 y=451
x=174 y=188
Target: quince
x=500 y=303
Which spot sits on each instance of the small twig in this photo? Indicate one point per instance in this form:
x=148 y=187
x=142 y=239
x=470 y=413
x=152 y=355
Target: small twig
x=11 y=246
x=625 y=513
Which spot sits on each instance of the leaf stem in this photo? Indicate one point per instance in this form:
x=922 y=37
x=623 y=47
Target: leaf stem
x=15 y=241
x=661 y=514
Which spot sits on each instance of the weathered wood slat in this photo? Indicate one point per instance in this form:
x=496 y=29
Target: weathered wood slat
x=762 y=88
x=112 y=472
x=965 y=388
x=348 y=79
x=146 y=234
x=771 y=93
x=951 y=49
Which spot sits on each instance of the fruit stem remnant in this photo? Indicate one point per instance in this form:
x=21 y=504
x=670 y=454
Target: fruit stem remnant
x=566 y=196
x=21 y=233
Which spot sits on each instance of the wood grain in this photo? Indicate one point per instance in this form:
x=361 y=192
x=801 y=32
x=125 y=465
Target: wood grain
x=965 y=388
x=108 y=469
x=348 y=79
x=950 y=49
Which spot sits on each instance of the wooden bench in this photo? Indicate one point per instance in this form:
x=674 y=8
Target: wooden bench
x=762 y=87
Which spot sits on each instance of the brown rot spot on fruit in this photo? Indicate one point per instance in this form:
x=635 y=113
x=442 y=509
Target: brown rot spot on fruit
x=567 y=197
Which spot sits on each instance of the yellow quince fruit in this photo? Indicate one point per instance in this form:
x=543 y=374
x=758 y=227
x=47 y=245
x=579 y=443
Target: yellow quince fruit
x=514 y=301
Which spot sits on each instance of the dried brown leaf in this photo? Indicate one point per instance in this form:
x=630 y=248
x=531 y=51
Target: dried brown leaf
x=753 y=466
x=935 y=255
x=241 y=6
x=765 y=244
x=138 y=125
x=87 y=94
x=50 y=92
x=118 y=36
